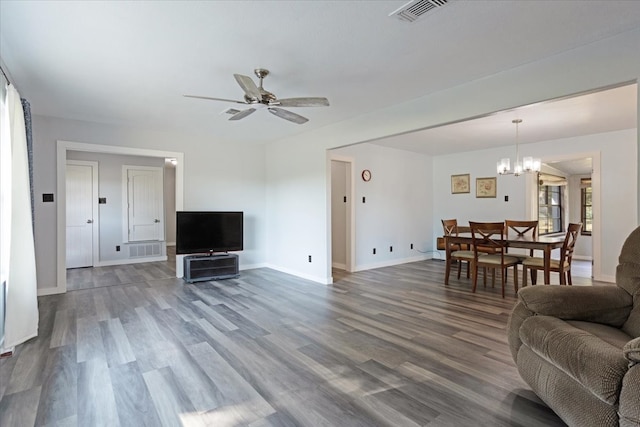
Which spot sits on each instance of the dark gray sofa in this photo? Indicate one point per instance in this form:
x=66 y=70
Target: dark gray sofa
x=578 y=347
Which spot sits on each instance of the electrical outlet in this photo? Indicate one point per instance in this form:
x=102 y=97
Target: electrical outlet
x=390 y=248
x=506 y=198
x=309 y=258
x=364 y=200
x=118 y=248
x=412 y=246
x=374 y=251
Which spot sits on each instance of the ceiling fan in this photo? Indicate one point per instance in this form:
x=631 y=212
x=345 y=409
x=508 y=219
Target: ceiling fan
x=257 y=97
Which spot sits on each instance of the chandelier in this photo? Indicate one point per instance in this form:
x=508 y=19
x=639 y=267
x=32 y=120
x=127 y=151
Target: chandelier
x=528 y=164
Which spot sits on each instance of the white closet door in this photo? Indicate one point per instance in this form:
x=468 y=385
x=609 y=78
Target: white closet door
x=144 y=194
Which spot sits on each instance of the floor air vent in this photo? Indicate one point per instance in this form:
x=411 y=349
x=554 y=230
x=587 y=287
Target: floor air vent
x=418 y=8
x=145 y=250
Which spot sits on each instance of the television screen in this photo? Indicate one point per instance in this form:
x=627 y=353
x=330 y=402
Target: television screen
x=208 y=232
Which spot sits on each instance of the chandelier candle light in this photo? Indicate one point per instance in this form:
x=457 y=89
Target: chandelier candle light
x=528 y=164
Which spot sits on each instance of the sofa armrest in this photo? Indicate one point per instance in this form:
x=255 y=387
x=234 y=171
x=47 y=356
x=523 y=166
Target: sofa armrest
x=608 y=305
x=631 y=351
x=518 y=315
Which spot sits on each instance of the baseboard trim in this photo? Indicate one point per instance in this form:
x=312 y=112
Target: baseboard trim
x=252 y=266
x=391 y=262
x=321 y=280
x=130 y=261
x=605 y=278
x=52 y=290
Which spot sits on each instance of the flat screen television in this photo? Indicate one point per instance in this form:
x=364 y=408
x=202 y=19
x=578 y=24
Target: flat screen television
x=208 y=232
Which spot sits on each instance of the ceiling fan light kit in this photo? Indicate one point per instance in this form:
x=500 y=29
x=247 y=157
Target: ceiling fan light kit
x=257 y=97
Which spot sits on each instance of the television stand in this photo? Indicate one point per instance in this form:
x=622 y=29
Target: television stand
x=201 y=268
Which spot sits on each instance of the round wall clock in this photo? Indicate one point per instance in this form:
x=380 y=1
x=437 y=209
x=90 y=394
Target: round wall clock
x=366 y=175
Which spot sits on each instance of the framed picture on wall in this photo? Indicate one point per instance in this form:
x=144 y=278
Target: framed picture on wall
x=486 y=187
x=460 y=184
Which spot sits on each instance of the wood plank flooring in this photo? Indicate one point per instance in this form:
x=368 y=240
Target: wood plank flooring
x=384 y=347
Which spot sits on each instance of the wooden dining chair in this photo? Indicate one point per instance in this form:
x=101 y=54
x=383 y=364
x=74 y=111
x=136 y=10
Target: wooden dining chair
x=521 y=228
x=561 y=266
x=455 y=252
x=491 y=235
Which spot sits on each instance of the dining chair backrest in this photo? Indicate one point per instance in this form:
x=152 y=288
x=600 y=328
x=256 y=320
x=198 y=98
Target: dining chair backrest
x=573 y=231
x=488 y=235
x=450 y=227
x=521 y=228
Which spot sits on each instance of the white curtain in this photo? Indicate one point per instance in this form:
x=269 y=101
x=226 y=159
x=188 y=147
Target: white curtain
x=18 y=251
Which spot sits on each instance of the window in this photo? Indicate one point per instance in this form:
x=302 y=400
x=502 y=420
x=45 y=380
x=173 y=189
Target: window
x=550 y=209
x=586 y=216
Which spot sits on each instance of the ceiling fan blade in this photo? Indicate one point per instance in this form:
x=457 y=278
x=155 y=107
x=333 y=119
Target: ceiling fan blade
x=242 y=114
x=215 y=99
x=303 y=102
x=247 y=84
x=288 y=115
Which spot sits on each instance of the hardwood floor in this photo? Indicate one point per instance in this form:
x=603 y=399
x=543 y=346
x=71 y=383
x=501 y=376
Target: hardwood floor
x=384 y=347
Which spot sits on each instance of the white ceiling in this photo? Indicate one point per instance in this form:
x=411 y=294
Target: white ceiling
x=129 y=63
x=586 y=114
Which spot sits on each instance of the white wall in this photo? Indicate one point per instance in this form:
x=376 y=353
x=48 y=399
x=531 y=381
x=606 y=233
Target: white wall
x=217 y=176
x=297 y=209
x=397 y=205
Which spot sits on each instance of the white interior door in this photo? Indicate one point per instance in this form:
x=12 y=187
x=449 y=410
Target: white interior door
x=80 y=217
x=145 y=204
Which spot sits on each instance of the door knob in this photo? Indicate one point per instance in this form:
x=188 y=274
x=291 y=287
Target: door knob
x=156 y=220
x=89 y=221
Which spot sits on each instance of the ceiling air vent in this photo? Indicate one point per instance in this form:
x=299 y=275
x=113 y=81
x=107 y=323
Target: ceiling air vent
x=417 y=8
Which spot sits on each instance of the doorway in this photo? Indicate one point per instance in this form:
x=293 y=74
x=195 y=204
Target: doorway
x=341 y=214
x=575 y=177
x=574 y=174
x=61 y=159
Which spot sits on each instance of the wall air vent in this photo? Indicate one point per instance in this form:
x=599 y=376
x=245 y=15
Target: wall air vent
x=144 y=250
x=418 y=8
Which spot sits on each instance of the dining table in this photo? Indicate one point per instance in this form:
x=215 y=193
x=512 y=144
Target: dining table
x=543 y=243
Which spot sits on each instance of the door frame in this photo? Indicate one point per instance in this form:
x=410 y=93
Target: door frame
x=61 y=160
x=95 y=226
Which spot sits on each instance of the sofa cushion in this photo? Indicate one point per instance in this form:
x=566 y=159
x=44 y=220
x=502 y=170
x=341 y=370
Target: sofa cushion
x=613 y=336
x=593 y=362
